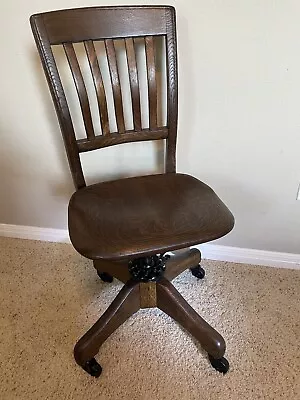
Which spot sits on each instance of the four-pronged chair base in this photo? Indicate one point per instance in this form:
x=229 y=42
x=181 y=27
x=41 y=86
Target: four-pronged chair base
x=153 y=289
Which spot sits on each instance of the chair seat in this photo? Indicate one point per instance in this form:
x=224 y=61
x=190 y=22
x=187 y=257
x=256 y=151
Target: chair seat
x=139 y=216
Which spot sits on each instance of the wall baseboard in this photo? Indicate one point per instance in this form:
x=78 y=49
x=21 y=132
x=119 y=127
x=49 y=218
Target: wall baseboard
x=250 y=256
x=34 y=233
x=209 y=251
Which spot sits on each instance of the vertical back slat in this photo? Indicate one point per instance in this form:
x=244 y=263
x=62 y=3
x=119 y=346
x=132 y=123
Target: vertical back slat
x=152 y=86
x=134 y=83
x=115 y=82
x=99 y=87
x=59 y=100
x=109 y=24
x=81 y=89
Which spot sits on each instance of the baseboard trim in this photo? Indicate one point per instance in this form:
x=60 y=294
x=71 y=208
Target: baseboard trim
x=209 y=251
x=34 y=233
x=250 y=256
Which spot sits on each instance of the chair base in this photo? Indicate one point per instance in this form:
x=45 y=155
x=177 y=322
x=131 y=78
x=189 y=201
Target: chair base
x=162 y=294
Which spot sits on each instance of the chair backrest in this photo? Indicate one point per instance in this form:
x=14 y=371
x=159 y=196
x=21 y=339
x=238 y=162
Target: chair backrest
x=108 y=25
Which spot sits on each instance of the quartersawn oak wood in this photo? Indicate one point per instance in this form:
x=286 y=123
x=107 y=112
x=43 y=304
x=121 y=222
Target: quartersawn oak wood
x=134 y=83
x=118 y=270
x=177 y=263
x=99 y=86
x=152 y=88
x=115 y=81
x=114 y=138
x=172 y=303
x=181 y=261
x=172 y=90
x=131 y=298
x=114 y=222
x=81 y=89
x=107 y=24
x=78 y=24
x=145 y=215
x=59 y=99
x=124 y=306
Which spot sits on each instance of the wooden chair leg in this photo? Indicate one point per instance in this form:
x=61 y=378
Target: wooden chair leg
x=172 y=303
x=124 y=306
x=179 y=262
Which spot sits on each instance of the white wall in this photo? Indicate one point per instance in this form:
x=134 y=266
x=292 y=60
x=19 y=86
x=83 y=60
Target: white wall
x=239 y=120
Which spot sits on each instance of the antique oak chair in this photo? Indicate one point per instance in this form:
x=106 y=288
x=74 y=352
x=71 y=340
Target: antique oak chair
x=127 y=226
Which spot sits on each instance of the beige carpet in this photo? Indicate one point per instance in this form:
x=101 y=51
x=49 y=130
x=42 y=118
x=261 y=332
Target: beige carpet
x=50 y=296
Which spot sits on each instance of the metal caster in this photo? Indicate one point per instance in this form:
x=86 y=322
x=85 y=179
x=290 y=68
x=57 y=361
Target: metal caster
x=105 y=277
x=198 y=272
x=93 y=368
x=219 y=364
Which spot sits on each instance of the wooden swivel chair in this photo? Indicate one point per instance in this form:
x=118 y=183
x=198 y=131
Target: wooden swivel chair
x=127 y=226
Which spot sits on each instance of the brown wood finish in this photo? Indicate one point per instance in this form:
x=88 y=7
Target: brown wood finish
x=134 y=83
x=140 y=216
x=174 y=266
x=123 y=307
x=94 y=23
x=152 y=88
x=131 y=298
x=59 y=99
x=108 y=24
x=117 y=221
x=172 y=303
x=99 y=87
x=172 y=96
x=115 y=81
x=114 y=138
x=181 y=261
x=118 y=270
x=81 y=89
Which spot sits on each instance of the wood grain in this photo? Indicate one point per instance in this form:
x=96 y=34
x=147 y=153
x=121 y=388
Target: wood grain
x=115 y=82
x=81 y=89
x=172 y=303
x=58 y=97
x=134 y=83
x=118 y=270
x=145 y=215
x=179 y=262
x=123 y=307
x=172 y=89
x=109 y=23
x=115 y=138
x=94 y=23
x=152 y=86
x=98 y=83
x=117 y=221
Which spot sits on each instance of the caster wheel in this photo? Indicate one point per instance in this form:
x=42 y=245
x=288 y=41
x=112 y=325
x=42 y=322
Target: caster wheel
x=198 y=272
x=105 y=277
x=93 y=368
x=219 y=364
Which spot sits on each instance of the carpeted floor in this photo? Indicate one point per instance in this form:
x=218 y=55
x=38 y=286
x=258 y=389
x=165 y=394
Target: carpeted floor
x=50 y=296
